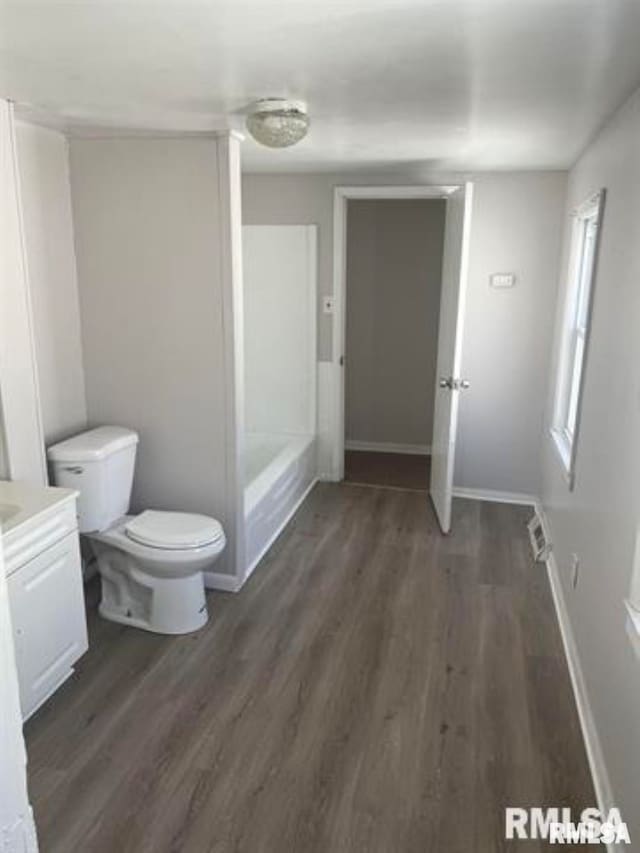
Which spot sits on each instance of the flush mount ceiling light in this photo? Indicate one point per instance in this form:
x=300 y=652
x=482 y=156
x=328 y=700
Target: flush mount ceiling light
x=278 y=123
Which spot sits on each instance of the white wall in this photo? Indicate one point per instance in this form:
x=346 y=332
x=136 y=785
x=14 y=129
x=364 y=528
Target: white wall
x=22 y=444
x=48 y=229
x=279 y=272
x=516 y=228
x=393 y=282
x=598 y=521
x=150 y=229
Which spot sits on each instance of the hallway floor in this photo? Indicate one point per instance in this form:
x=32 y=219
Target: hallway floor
x=395 y=470
x=375 y=688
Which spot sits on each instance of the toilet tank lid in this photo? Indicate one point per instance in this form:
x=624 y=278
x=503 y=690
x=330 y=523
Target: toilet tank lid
x=93 y=445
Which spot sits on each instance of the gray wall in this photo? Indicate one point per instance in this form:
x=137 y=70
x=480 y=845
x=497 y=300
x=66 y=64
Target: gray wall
x=598 y=521
x=394 y=266
x=516 y=228
x=147 y=220
x=48 y=229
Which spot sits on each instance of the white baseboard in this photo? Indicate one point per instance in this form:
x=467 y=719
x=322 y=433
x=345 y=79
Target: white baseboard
x=389 y=447
x=519 y=498
x=20 y=835
x=222 y=582
x=595 y=756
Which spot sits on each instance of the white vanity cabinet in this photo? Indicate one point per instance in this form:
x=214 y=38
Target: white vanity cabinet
x=46 y=597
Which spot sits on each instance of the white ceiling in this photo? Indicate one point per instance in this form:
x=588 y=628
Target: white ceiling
x=482 y=84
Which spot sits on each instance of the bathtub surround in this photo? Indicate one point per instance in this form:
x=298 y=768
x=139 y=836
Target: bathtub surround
x=393 y=278
x=279 y=314
x=279 y=333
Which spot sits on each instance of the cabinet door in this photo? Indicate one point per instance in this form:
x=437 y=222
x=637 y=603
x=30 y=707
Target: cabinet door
x=46 y=598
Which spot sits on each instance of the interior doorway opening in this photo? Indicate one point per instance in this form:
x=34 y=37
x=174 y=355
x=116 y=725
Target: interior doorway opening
x=394 y=253
x=396 y=388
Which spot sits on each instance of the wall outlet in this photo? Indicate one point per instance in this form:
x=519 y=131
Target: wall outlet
x=502 y=279
x=575 y=570
x=328 y=304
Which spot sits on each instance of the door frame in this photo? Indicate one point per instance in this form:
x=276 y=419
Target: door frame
x=341 y=196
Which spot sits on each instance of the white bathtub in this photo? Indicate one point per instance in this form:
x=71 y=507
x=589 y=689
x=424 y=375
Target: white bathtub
x=279 y=471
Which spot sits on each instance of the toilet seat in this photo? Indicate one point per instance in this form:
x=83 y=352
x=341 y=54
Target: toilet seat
x=173 y=531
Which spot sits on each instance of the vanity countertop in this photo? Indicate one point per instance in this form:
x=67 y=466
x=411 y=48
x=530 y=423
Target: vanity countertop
x=21 y=502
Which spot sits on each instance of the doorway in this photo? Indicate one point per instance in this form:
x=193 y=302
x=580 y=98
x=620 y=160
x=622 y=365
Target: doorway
x=399 y=287
x=394 y=275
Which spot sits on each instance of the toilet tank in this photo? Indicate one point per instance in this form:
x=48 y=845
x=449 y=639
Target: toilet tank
x=99 y=464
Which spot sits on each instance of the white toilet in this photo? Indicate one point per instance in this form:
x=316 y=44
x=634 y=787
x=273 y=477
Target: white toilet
x=150 y=564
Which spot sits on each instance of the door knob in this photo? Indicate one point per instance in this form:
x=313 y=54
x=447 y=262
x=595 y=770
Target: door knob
x=454 y=384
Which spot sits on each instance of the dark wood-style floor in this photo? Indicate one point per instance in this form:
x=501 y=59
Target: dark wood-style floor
x=375 y=688
x=395 y=470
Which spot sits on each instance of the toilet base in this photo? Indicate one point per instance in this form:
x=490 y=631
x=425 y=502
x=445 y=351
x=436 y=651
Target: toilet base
x=160 y=605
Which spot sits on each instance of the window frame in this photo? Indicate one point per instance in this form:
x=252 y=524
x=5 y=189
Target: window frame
x=586 y=229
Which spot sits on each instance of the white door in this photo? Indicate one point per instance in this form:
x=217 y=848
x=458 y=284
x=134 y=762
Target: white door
x=448 y=380
x=48 y=617
x=17 y=830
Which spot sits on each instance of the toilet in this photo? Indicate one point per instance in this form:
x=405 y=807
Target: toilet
x=150 y=564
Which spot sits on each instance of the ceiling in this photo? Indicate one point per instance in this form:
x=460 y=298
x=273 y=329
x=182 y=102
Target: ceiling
x=482 y=84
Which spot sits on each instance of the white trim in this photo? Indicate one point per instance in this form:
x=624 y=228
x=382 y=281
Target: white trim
x=229 y=583
x=398 y=191
x=595 y=756
x=221 y=582
x=228 y=156
x=21 y=413
x=519 y=498
x=389 y=447
x=341 y=195
x=312 y=245
x=327 y=377
x=279 y=530
x=566 y=444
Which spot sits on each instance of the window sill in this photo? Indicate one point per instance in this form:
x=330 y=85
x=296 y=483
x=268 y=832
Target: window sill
x=563 y=452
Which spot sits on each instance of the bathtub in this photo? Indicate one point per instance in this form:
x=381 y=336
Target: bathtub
x=279 y=472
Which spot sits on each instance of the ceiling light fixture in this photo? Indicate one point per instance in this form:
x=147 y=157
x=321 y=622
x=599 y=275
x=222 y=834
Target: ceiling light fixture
x=278 y=123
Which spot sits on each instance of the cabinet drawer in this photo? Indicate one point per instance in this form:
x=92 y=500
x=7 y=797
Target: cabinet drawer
x=48 y=617
x=39 y=533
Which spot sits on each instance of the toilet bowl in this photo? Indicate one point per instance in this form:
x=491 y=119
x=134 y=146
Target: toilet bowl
x=151 y=569
x=150 y=564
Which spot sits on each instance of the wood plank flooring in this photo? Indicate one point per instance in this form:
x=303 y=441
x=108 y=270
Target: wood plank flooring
x=375 y=688
x=396 y=470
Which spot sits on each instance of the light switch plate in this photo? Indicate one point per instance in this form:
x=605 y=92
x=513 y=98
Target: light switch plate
x=502 y=279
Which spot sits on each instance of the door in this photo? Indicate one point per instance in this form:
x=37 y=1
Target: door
x=46 y=600
x=17 y=830
x=448 y=380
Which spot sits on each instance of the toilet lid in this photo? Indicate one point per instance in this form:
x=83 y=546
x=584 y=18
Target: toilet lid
x=173 y=529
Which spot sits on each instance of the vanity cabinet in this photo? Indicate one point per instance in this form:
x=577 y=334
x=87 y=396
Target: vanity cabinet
x=46 y=600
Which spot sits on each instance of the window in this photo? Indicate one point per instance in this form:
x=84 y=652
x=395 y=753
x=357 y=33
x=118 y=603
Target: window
x=575 y=330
